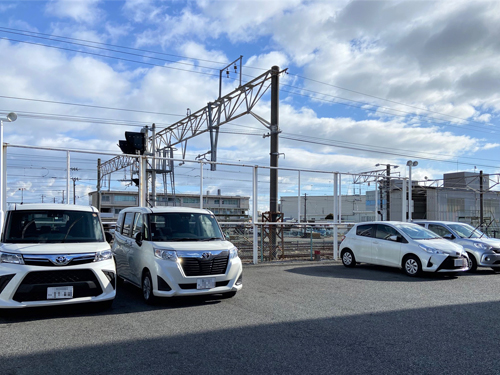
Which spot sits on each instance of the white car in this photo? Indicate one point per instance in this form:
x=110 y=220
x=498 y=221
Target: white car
x=483 y=251
x=403 y=245
x=175 y=251
x=55 y=254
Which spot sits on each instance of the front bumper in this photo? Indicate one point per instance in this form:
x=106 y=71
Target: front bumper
x=445 y=263
x=172 y=281
x=489 y=260
x=26 y=285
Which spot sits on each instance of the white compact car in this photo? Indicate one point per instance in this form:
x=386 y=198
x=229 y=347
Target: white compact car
x=175 y=251
x=55 y=254
x=403 y=245
x=483 y=251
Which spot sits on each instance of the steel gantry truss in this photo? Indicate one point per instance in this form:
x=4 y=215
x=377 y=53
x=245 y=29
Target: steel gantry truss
x=238 y=103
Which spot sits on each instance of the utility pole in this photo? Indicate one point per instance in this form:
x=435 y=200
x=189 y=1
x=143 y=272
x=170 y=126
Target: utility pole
x=22 y=194
x=305 y=207
x=43 y=196
x=62 y=196
x=74 y=189
x=481 y=201
x=273 y=189
x=388 y=192
x=98 y=185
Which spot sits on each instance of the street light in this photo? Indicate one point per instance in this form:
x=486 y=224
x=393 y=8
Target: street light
x=410 y=164
x=388 y=187
x=11 y=117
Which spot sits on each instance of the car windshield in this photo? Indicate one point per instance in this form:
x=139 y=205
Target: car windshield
x=467 y=231
x=416 y=232
x=184 y=226
x=53 y=226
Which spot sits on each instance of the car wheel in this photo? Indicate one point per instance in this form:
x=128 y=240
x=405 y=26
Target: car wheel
x=412 y=266
x=147 y=289
x=348 y=258
x=472 y=263
x=228 y=295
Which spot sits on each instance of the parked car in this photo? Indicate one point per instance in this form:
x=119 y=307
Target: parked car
x=482 y=250
x=175 y=251
x=55 y=254
x=403 y=245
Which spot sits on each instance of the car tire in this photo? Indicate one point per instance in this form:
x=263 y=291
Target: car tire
x=147 y=289
x=472 y=263
x=348 y=258
x=228 y=294
x=412 y=266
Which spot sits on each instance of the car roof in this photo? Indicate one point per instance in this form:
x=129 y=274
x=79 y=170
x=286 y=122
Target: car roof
x=438 y=222
x=165 y=209
x=384 y=222
x=50 y=206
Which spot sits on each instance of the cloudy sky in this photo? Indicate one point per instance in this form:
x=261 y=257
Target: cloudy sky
x=368 y=81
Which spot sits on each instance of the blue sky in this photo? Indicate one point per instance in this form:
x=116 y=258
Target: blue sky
x=369 y=82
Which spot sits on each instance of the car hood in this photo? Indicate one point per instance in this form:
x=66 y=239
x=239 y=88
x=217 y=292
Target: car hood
x=443 y=245
x=194 y=245
x=469 y=242
x=54 y=248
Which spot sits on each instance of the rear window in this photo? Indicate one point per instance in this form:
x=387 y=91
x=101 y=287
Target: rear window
x=52 y=226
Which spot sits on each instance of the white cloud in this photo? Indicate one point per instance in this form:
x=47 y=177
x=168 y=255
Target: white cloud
x=83 y=11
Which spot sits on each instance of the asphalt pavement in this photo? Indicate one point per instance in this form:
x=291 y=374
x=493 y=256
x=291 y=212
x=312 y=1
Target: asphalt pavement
x=290 y=318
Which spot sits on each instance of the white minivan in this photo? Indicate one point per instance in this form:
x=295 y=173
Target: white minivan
x=403 y=245
x=55 y=254
x=175 y=251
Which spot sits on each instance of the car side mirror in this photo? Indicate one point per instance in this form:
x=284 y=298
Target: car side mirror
x=108 y=236
x=394 y=238
x=138 y=238
x=449 y=236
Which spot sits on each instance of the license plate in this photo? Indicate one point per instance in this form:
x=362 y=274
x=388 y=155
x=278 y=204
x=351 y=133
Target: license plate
x=459 y=262
x=205 y=283
x=60 y=292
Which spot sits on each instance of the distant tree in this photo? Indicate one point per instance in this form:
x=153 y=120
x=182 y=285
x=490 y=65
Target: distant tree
x=329 y=217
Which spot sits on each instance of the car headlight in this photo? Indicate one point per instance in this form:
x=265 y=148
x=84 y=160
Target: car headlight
x=482 y=246
x=431 y=250
x=166 y=254
x=103 y=255
x=11 y=258
x=233 y=253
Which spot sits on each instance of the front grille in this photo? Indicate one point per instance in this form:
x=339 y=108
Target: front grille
x=449 y=264
x=194 y=285
x=202 y=267
x=43 y=260
x=34 y=285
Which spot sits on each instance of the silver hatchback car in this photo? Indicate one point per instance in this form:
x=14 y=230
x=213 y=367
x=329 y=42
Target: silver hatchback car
x=483 y=251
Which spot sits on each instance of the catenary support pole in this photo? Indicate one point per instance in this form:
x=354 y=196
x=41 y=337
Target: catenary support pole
x=98 y=203
x=68 y=164
x=335 y=215
x=255 y=214
x=273 y=189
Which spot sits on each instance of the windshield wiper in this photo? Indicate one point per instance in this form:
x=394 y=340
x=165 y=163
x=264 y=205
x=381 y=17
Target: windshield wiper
x=183 y=239
x=211 y=239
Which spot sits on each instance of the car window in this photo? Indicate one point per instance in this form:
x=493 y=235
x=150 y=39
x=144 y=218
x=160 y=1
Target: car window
x=137 y=224
x=184 y=226
x=365 y=230
x=386 y=231
x=467 y=231
x=127 y=223
x=439 y=229
x=416 y=232
x=119 y=223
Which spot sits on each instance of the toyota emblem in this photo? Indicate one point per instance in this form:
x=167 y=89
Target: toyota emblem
x=206 y=256
x=61 y=260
